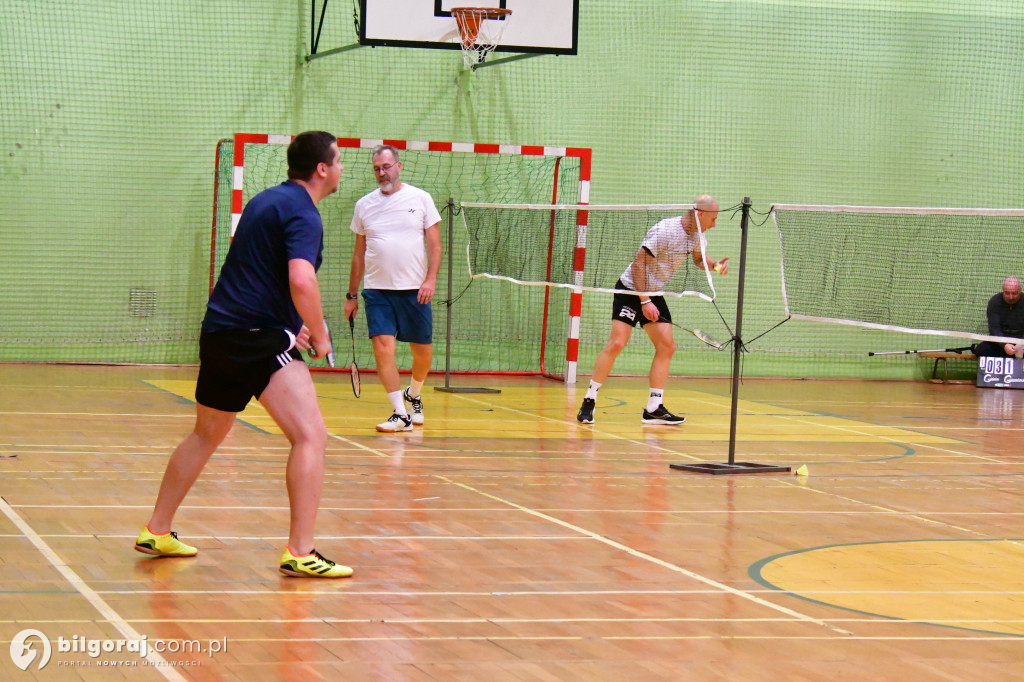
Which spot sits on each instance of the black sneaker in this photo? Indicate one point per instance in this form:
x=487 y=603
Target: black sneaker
x=586 y=413
x=661 y=416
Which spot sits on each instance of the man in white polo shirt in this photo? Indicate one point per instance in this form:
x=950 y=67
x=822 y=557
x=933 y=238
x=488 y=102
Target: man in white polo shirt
x=398 y=249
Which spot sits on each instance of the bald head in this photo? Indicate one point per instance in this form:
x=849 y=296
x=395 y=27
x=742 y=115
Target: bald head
x=1011 y=289
x=705 y=202
x=706 y=211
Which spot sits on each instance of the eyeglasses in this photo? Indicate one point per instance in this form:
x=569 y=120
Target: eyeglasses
x=385 y=168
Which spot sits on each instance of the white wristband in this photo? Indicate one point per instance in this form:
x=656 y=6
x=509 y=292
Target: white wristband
x=644 y=301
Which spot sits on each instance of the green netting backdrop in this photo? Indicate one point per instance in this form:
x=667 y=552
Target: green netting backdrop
x=112 y=112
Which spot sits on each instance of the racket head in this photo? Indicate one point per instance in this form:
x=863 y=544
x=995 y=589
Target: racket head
x=353 y=369
x=354 y=375
x=707 y=339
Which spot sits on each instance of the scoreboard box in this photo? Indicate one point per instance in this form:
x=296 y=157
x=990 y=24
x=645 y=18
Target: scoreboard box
x=1000 y=373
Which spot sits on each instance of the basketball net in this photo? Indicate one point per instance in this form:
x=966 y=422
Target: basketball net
x=480 y=31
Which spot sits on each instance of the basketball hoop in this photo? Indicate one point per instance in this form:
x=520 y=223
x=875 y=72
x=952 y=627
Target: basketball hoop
x=480 y=30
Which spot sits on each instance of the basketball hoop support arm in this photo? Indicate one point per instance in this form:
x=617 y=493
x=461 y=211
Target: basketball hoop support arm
x=316 y=27
x=505 y=60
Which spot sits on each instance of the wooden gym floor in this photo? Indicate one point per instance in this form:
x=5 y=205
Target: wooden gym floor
x=503 y=541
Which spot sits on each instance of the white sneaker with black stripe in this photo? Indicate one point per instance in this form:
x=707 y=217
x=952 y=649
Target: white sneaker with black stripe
x=417 y=407
x=396 y=422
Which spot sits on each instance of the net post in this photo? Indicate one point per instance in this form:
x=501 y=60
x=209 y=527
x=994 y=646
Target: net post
x=448 y=298
x=737 y=346
x=732 y=466
x=448 y=388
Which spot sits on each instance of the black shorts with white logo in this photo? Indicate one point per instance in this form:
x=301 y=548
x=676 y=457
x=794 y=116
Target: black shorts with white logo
x=626 y=307
x=236 y=365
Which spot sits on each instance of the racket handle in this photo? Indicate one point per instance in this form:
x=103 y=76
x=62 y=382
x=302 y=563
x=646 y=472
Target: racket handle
x=330 y=355
x=330 y=339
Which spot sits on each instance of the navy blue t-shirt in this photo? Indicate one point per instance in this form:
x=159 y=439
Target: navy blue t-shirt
x=278 y=224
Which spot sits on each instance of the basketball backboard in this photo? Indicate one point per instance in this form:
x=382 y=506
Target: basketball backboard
x=543 y=26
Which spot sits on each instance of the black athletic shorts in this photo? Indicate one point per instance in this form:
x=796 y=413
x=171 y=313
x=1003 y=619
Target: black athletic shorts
x=236 y=365
x=626 y=307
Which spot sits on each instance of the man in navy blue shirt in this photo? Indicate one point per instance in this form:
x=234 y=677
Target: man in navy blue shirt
x=264 y=311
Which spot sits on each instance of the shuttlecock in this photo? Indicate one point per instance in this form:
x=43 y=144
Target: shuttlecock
x=802 y=471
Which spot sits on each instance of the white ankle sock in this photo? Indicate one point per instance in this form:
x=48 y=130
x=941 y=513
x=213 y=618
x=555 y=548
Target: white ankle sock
x=655 y=398
x=592 y=391
x=398 y=402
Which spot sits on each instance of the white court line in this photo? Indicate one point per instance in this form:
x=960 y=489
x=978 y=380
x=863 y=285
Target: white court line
x=444 y=594
x=359 y=445
x=90 y=595
x=538 y=621
x=98 y=414
x=633 y=552
x=919 y=516
x=875 y=511
x=653 y=559
x=591 y=638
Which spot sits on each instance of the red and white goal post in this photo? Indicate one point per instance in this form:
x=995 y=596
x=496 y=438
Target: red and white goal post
x=497 y=327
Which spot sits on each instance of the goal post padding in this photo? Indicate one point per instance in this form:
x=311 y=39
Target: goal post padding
x=918 y=270
x=496 y=326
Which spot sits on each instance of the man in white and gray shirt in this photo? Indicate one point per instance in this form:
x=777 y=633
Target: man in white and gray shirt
x=665 y=248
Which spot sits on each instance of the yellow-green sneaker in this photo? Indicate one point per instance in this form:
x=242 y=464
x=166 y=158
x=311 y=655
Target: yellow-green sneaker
x=167 y=544
x=313 y=565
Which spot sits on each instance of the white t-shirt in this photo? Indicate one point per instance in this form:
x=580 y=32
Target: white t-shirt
x=671 y=246
x=394 y=226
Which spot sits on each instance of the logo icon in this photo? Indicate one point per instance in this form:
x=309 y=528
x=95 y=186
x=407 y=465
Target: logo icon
x=22 y=652
x=628 y=313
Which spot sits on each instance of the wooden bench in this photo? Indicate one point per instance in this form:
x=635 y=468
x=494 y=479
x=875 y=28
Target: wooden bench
x=944 y=357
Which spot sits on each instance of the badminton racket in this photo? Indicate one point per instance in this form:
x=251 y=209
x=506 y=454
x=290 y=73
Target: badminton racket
x=354 y=368
x=717 y=345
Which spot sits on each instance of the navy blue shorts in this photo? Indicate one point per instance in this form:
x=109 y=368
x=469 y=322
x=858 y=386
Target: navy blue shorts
x=398 y=314
x=236 y=365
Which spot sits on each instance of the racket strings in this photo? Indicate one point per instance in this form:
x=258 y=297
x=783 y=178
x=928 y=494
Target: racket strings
x=353 y=369
x=707 y=339
x=354 y=374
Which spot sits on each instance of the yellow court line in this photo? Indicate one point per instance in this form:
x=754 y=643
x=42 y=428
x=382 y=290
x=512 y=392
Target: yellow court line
x=536 y=413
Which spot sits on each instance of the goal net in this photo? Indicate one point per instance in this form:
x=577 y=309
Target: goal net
x=496 y=326
x=918 y=270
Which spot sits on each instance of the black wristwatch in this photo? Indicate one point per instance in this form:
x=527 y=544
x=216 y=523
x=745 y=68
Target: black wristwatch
x=350 y=296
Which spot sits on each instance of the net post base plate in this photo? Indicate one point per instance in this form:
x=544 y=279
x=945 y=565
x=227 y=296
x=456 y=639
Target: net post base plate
x=734 y=468
x=466 y=389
